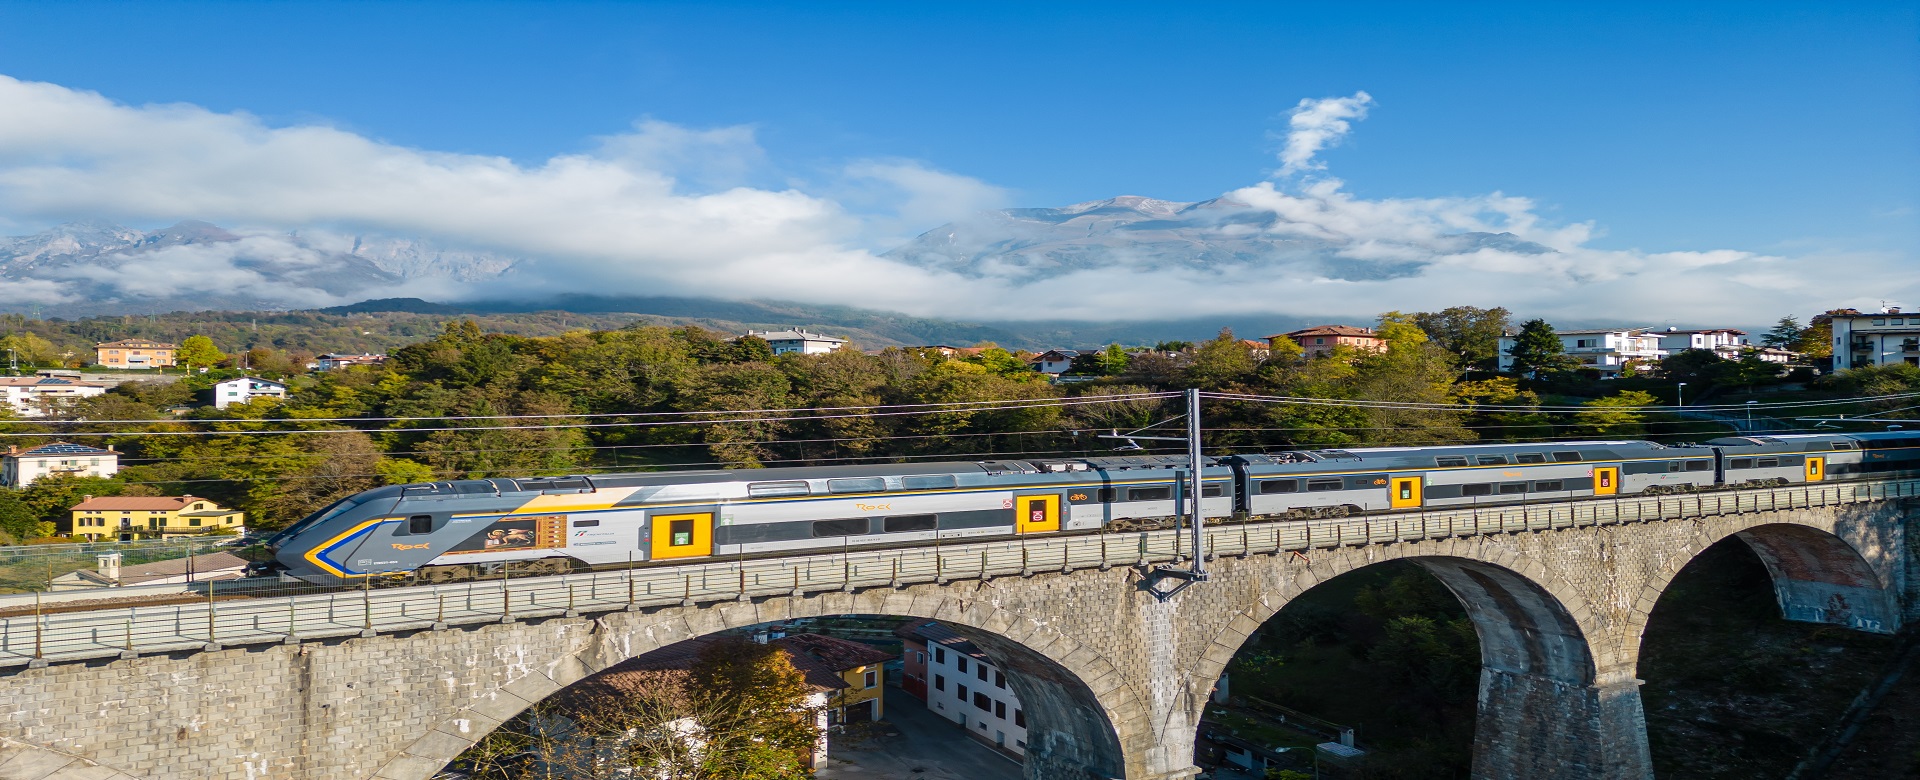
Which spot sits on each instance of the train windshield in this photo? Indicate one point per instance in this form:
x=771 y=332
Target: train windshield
x=314 y=519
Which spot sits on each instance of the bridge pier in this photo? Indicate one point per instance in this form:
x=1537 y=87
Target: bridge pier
x=1534 y=726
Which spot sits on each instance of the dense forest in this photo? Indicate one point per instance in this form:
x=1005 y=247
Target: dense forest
x=467 y=403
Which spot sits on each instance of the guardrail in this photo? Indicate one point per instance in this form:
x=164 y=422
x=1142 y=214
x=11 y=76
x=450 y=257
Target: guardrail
x=36 y=640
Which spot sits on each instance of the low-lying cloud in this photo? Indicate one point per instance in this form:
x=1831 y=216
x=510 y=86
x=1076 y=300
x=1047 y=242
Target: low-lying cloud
x=668 y=210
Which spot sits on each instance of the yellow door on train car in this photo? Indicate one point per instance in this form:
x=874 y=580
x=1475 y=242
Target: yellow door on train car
x=1816 y=469
x=1406 y=493
x=1606 y=480
x=1036 y=514
x=682 y=536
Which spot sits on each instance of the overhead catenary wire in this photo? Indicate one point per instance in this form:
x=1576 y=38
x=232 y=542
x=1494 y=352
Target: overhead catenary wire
x=1559 y=409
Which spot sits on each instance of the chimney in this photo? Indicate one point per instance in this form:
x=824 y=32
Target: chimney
x=85 y=499
x=109 y=567
x=110 y=448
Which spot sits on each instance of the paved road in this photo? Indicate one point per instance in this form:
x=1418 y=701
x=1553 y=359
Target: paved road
x=925 y=747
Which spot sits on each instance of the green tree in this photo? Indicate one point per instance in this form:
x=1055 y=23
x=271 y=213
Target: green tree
x=1816 y=340
x=1537 y=350
x=1472 y=334
x=198 y=352
x=1220 y=362
x=1784 y=334
x=1616 y=416
x=30 y=348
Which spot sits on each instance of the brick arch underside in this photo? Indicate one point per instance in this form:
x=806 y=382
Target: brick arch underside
x=1072 y=729
x=1544 y=709
x=1818 y=577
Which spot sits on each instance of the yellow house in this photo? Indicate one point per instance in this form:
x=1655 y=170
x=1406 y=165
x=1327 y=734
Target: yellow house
x=151 y=517
x=134 y=353
x=857 y=665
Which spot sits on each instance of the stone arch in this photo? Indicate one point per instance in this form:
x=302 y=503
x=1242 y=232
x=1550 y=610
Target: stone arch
x=1084 y=720
x=1818 y=576
x=1552 y=702
x=23 y=761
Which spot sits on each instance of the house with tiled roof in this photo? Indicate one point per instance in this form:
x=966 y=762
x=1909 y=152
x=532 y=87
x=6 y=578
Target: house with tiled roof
x=38 y=396
x=859 y=668
x=798 y=341
x=134 y=353
x=960 y=683
x=19 y=468
x=151 y=517
x=1322 y=340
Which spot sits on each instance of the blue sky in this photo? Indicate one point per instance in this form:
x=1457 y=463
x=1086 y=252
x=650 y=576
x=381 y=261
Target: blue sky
x=1786 y=128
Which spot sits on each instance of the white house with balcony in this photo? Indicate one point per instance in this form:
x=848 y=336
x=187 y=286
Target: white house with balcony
x=19 y=468
x=798 y=341
x=1888 y=338
x=1607 y=351
x=38 y=396
x=240 y=390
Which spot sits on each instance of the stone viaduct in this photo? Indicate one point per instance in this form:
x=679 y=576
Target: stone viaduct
x=1113 y=679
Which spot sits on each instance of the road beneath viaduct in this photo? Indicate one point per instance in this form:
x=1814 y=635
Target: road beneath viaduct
x=393 y=684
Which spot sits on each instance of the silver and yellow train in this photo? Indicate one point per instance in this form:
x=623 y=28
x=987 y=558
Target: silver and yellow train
x=447 y=531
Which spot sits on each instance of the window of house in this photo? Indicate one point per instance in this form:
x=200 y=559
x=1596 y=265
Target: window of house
x=1020 y=718
x=194 y=521
x=907 y=523
x=960 y=663
x=939 y=682
x=920 y=657
x=1879 y=322
x=960 y=691
x=1000 y=710
x=852 y=526
x=982 y=703
x=981 y=672
x=871 y=676
x=1323 y=485
x=999 y=680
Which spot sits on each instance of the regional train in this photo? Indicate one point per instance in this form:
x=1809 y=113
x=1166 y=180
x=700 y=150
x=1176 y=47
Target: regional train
x=450 y=531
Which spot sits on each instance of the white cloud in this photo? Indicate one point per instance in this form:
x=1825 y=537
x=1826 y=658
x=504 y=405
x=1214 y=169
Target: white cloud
x=1316 y=124
x=668 y=210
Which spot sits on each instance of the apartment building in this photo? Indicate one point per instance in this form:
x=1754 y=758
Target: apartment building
x=39 y=396
x=959 y=683
x=1607 y=351
x=1887 y=338
x=1322 y=340
x=19 y=468
x=134 y=353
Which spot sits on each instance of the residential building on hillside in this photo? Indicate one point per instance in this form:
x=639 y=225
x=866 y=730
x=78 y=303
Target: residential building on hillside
x=628 y=676
x=798 y=341
x=240 y=390
x=126 y=518
x=956 y=680
x=19 y=468
x=108 y=573
x=1725 y=342
x=1321 y=340
x=134 y=353
x=859 y=667
x=1257 y=348
x=334 y=361
x=38 y=396
x=1887 y=338
x=1606 y=351
x=1054 y=361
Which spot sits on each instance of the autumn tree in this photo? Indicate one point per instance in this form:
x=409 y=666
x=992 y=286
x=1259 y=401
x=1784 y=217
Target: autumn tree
x=1619 y=415
x=1472 y=334
x=198 y=352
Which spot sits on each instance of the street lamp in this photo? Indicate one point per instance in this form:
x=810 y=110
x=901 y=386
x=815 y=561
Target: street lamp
x=1680 y=395
x=1750 y=415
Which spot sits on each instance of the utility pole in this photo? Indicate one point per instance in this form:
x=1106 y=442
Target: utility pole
x=1193 y=486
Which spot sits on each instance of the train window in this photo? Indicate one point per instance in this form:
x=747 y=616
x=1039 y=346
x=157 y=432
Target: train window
x=929 y=482
x=1566 y=457
x=1766 y=463
x=772 y=489
x=1739 y=463
x=1843 y=445
x=1323 y=485
x=1530 y=457
x=1108 y=495
x=1149 y=494
x=1673 y=466
x=906 y=523
x=1272 y=486
x=1699 y=465
x=1547 y=485
x=1476 y=490
x=679 y=533
x=861 y=485
x=586 y=523
x=1492 y=460
x=1211 y=491
x=420 y=524
x=1510 y=488
x=1449 y=460
x=852 y=526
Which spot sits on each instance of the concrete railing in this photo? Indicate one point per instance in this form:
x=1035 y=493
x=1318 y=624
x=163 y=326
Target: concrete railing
x=132 y=631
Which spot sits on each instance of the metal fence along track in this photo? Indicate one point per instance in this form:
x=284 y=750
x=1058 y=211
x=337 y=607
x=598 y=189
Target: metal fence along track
x=132 y=631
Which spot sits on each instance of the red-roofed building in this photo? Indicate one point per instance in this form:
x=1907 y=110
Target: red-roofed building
x=151 y=517
x=1321 y=340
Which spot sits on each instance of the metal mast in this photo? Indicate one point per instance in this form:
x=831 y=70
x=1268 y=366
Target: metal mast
x=1194 y=486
